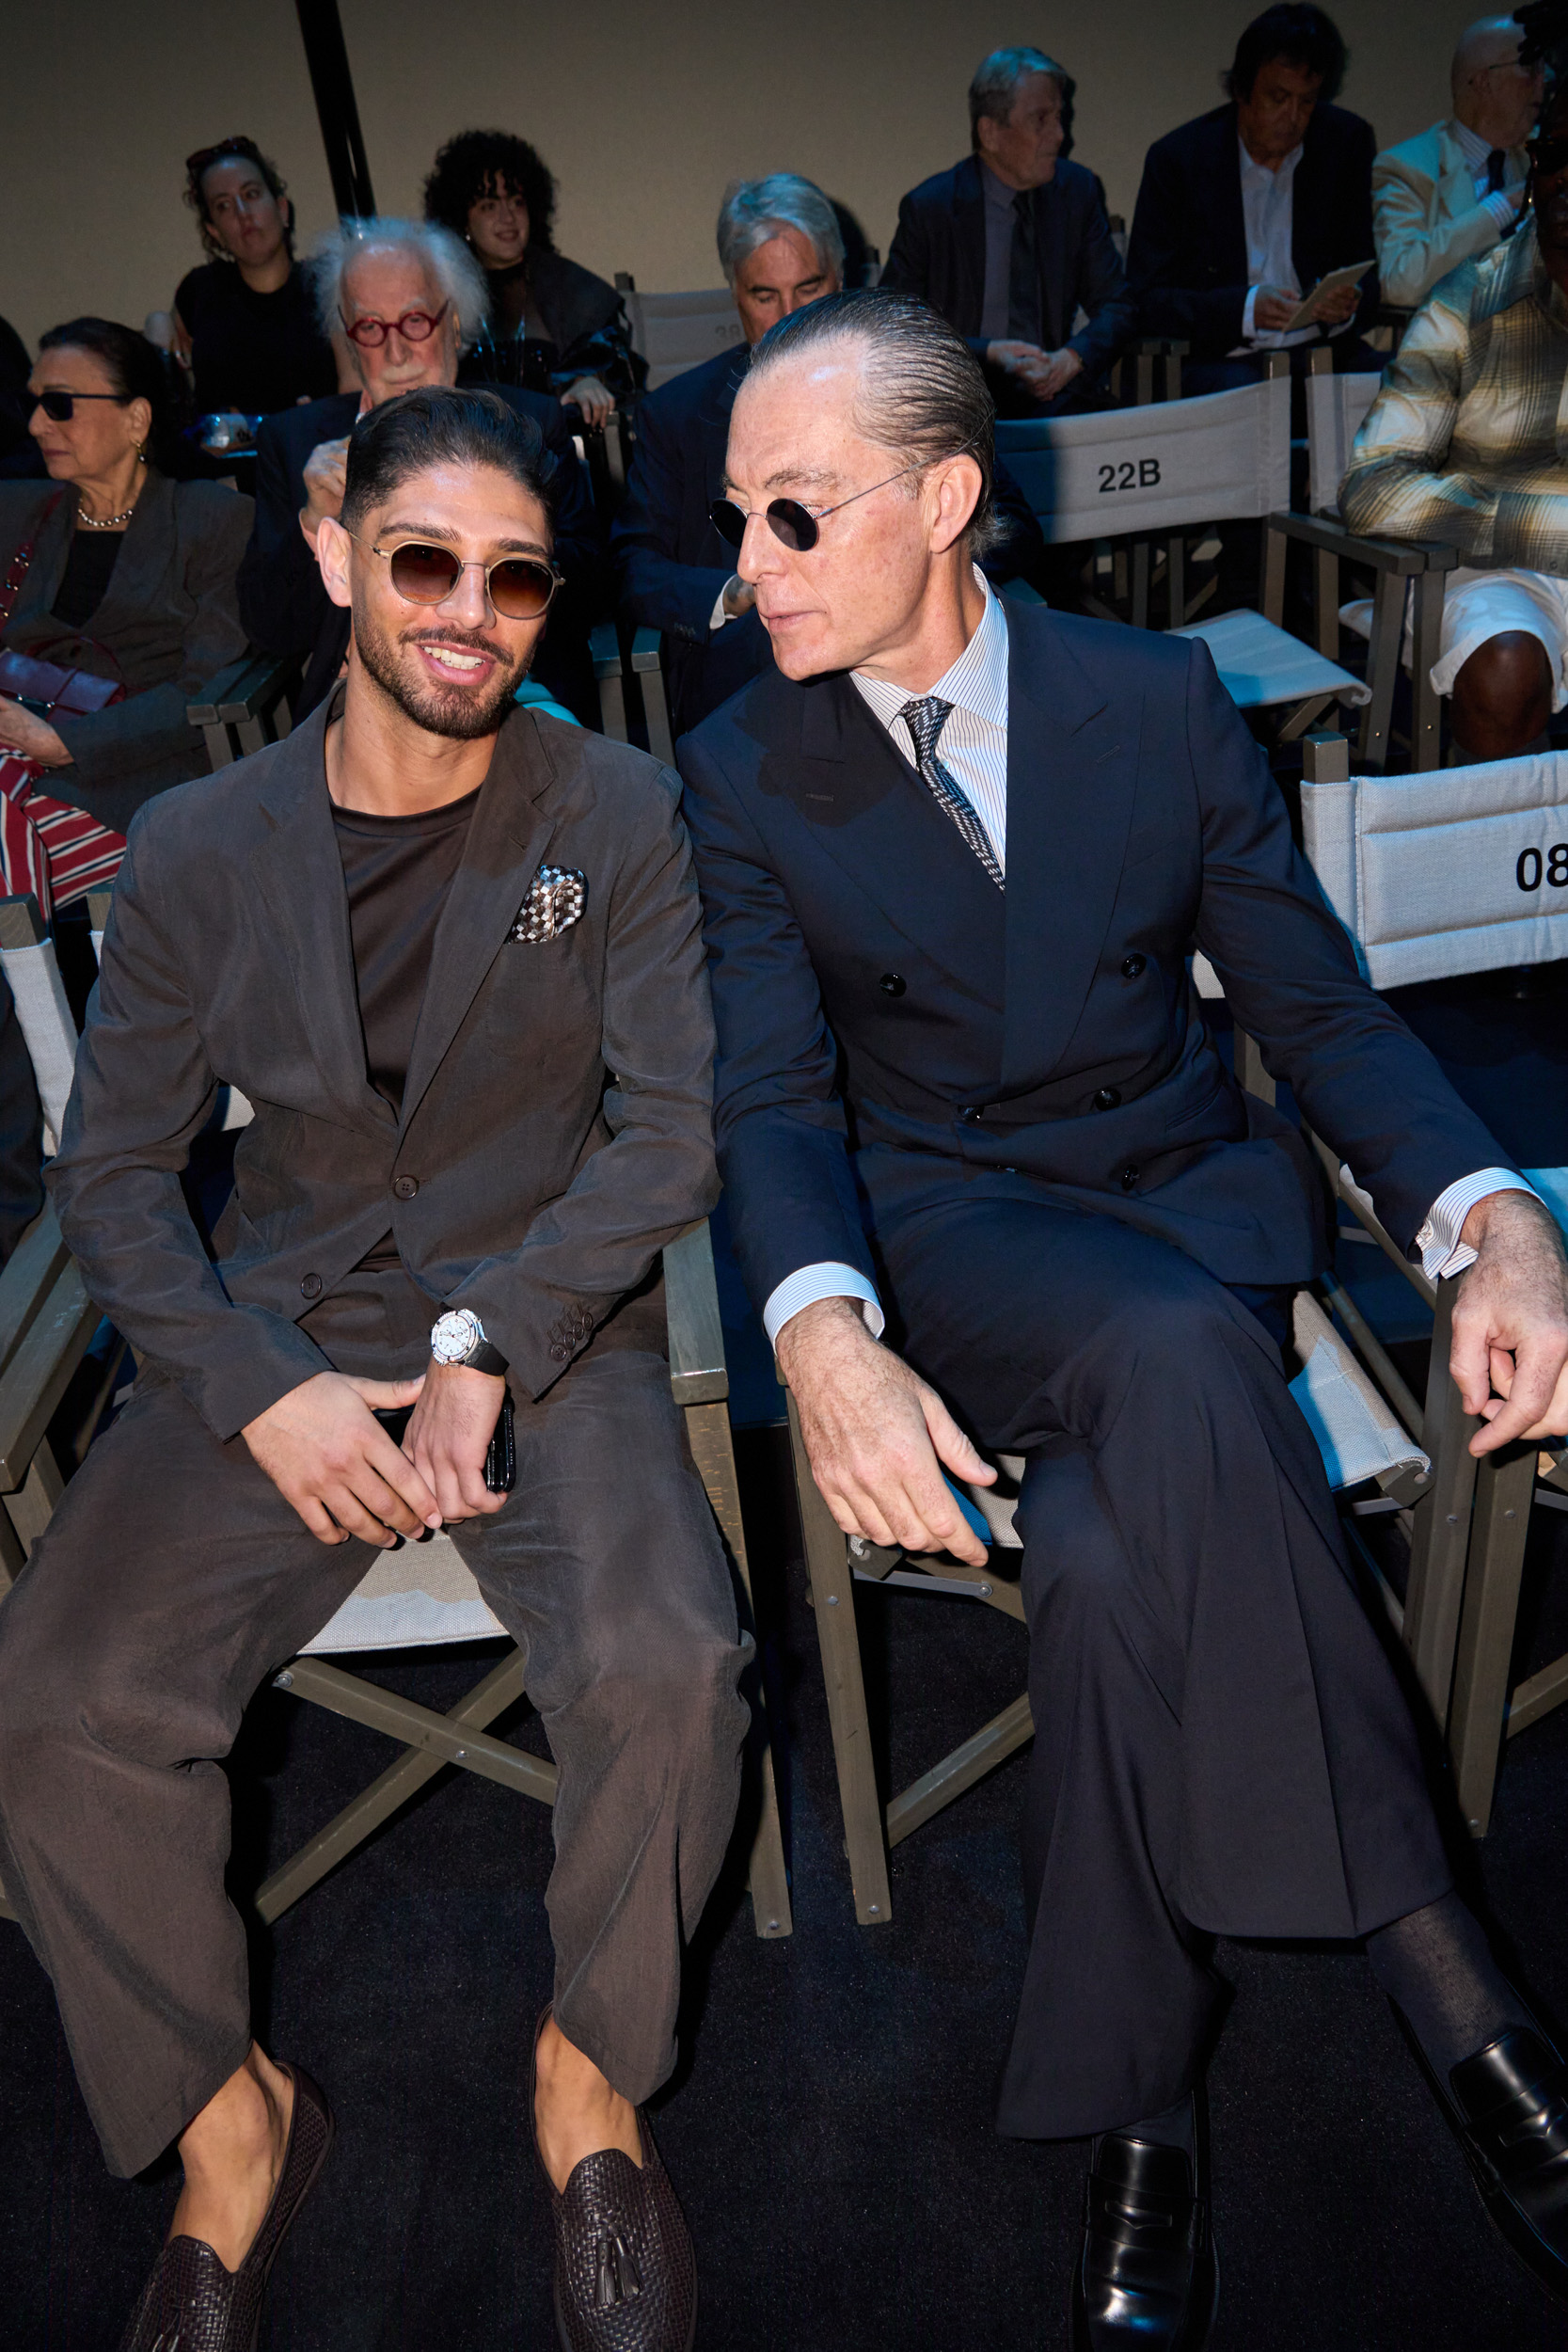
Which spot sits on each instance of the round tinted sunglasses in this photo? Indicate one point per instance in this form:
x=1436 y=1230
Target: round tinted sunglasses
x=519 y=586
x=793 y=525
x=59 y=407
x=415 y=326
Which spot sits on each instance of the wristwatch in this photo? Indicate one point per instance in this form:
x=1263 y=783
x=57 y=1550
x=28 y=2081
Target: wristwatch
x=458 y=1338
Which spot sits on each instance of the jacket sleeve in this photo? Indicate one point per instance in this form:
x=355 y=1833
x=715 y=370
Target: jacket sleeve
x=1363 y=1082
x=656 y=1175
x=149 y=729
x=1099 y=290
x=283 y=600
x=1413 y=250
x=778 y=1116
x=657 y=590
x=1207 y=317
x=143 y=1089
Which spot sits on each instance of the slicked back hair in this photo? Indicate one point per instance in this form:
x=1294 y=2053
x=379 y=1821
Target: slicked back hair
x=439 y=424
x=922 y=396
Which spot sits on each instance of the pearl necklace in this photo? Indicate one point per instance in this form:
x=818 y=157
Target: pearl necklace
x=101 y=522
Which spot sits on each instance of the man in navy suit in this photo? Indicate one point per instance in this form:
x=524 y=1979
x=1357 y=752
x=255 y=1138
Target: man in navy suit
x=1242 y=212
x=953 y=858
x=781 y=248
x=1013 y=243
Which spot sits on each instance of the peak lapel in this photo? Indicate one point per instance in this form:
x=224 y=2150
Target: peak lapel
x=1072 y=768
x=507 y=841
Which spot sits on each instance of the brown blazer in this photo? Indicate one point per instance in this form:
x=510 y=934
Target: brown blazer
x=556 y=1123
x=168 y=623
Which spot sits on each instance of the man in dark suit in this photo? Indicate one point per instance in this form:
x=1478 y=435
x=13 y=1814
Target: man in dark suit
x=378 y=279
x=781 y=248
x=1011 y=244
x=953 y=857
x=1242 y=212
x=419 y=935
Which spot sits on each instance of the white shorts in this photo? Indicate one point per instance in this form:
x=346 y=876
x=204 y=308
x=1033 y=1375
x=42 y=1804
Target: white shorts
x=1479 y=605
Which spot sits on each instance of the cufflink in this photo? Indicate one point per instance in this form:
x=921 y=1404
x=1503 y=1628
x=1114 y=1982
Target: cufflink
x=556 y=899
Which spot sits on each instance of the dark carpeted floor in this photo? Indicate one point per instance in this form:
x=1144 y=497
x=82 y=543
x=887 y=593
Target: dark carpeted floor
x=830 y=2129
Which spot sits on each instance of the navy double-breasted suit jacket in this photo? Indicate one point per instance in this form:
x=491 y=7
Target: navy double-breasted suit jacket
x=892 y=1030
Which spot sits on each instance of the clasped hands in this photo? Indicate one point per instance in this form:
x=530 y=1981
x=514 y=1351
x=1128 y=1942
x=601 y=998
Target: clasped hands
x=878 y=1438
x=1043 y=374
x=331 y=1459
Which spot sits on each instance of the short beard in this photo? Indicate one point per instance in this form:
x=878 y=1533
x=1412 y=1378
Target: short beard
x=461 y=718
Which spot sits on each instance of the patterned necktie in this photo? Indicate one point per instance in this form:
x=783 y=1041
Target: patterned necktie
x=1024 y=277
x=926 y=720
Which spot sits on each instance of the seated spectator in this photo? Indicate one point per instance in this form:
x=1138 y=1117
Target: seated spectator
x=112 y=569
x=1453 y=192
x=780 y=249
x=1242 y=211
x=410 y=299
x=245 y=324
x=1013 y=243
x=554 y=327
x=1462 y=445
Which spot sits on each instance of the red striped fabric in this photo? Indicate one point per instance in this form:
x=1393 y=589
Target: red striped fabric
x=56 y=851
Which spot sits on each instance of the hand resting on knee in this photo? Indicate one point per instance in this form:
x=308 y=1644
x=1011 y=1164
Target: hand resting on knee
x=878 y=1437
x=1510 y=1322
x=328 y=1455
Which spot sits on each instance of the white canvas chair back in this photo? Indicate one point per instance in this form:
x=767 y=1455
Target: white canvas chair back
x=1223 y=457
x=1335 y=408
x=33 y=976
x=1453 y=871
x=677 y=332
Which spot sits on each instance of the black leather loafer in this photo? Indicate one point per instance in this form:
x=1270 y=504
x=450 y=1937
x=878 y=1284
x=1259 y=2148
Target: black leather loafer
x=1146 y=2280
x=625 y=2277
x=191 y=2299
x=1508 y=2108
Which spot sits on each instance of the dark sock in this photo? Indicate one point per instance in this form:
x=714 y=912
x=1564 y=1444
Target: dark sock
x=1175 y=2128
x=1436 y=1964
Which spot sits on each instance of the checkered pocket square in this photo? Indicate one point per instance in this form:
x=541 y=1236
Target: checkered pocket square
x=556 y=897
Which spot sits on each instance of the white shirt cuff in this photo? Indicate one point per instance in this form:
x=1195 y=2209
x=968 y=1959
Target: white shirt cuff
x=1501 y=207
x=716 y=618
x=1442 y=1252
x=1248 y=329
x=813 y=1282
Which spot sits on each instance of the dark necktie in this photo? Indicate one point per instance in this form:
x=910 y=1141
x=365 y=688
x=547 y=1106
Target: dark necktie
x=1023 y=276
x=1497 y=169
x=926 y=720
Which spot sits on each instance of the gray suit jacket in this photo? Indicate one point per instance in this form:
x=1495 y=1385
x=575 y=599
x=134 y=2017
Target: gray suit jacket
x=168 y=623
x=556 y=1123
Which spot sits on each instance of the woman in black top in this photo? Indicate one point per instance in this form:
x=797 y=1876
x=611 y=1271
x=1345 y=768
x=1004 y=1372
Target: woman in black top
x=555 y=328
x=244 y=325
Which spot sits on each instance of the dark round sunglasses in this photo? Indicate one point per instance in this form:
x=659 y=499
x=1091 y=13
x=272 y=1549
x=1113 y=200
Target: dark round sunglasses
x=519 y=586
x=59 y=407
x=793 y=525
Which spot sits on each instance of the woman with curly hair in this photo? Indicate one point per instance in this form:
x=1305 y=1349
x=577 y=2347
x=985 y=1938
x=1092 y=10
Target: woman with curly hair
x=555 y=328
x=244 y=325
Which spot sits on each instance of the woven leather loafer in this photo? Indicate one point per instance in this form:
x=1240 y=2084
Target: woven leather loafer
x=1146 y=2280
x=625 y=2278
x=192 y=2303
x=1508 y=2108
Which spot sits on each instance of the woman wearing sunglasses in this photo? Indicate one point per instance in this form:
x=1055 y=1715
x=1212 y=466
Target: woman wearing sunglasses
x=245 y=324
x=117 y=603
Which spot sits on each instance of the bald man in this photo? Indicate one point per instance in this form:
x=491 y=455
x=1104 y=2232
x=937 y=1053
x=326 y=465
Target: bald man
x=1453 y=192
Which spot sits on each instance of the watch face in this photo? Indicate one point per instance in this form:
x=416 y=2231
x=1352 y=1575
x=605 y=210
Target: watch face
x=455 y=1334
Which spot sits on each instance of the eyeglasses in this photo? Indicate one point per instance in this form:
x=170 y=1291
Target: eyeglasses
x=793 y=525
x=415 y=326
x=59 y=407
x=519 y=587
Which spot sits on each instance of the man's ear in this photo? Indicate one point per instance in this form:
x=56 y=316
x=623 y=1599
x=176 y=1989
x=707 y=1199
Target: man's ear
x=334 y=548
x=957 y=489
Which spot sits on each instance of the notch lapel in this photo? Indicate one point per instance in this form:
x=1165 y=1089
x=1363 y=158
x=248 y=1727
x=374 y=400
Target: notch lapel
x=1073 y=771
x=507 y=841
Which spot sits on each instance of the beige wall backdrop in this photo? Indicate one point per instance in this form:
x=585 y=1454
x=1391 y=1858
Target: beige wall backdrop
x=643 y=110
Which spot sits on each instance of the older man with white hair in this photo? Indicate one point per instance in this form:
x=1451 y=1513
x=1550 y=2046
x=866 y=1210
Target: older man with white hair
x=1455 y=191
x=410 y=299
x=780 y=247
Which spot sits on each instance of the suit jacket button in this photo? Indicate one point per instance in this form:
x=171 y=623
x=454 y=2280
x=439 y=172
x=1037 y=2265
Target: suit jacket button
x=1107 y=1098
x=311 y=1286
x=1129 y=1178
x=404 y=1188
x=971 y=1115
x=560 y=1354
x=892 y=984
x=1131 y=966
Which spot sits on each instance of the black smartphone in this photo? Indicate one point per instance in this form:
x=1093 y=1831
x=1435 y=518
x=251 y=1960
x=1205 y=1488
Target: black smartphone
x=501 y=1462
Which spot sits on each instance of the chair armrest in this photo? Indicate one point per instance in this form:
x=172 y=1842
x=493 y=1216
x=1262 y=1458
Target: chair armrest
x=246 y=689
x=1407 y=556
x=646 y=645
x=697 y=1370
x=605 y=646
x=42 y=1361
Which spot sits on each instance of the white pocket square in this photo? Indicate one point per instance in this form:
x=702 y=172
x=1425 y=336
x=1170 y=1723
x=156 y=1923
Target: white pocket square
x=556 y=897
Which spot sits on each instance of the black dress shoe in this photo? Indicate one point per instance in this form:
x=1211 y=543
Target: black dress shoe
x=1508 y=2107
x=625 y=2277
x=1146 y=2280
x=192 y=2302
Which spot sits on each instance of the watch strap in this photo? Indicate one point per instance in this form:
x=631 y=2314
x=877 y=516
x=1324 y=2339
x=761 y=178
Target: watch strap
x=481 y=1356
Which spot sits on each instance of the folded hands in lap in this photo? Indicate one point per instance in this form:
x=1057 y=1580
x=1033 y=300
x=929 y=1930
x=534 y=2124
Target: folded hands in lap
x=331 y=1459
